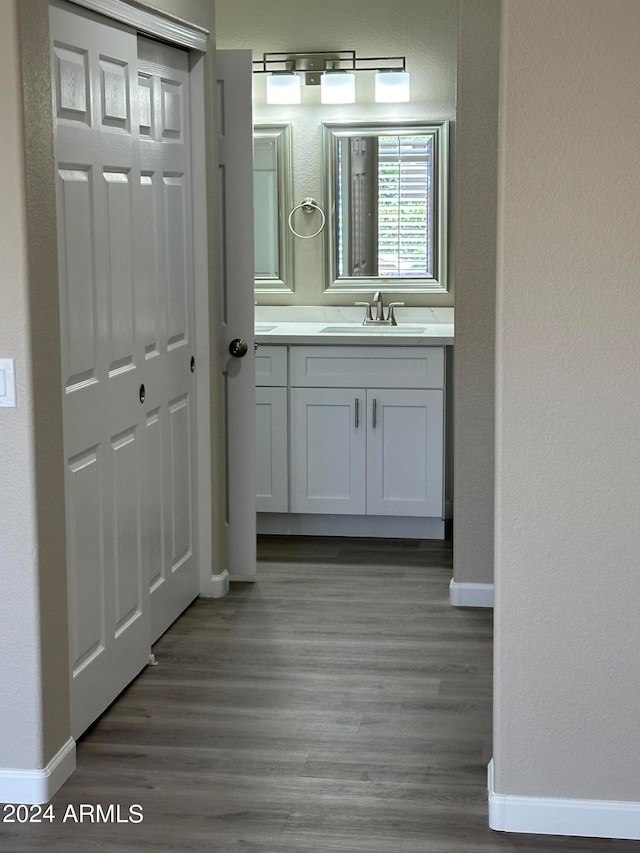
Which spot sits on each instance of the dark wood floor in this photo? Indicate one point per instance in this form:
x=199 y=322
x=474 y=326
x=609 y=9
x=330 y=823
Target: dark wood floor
x=338 y=704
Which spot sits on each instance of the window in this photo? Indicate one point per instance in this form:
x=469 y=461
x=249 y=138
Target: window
x=405 y=206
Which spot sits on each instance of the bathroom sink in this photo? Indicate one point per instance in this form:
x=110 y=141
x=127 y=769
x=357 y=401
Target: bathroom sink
x=264 y=327
x=372 y=330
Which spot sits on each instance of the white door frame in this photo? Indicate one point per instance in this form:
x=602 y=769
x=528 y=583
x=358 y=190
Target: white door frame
x=196 y=41
x=150 y=23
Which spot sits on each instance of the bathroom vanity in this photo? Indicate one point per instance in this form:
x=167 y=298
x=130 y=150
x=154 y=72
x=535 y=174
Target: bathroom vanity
x=351 y=425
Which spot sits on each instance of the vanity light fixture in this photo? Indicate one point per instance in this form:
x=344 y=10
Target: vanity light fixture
x=334 y=71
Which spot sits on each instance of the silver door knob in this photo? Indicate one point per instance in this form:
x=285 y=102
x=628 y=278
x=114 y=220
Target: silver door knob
x=238 y=347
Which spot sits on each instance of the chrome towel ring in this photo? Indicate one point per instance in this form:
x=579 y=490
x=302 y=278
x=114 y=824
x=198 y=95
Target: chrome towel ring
x=308 y=205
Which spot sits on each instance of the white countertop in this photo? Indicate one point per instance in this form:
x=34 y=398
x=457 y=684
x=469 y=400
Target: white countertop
x=313 y=324
x=405 y=334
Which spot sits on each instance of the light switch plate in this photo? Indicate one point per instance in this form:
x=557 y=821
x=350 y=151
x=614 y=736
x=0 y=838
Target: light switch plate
x=7 y=383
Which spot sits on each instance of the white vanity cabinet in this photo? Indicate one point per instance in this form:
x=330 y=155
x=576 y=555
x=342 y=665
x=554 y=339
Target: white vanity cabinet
x=366 y=451
x=272 y=468
x=350 y=440
x=367 y=430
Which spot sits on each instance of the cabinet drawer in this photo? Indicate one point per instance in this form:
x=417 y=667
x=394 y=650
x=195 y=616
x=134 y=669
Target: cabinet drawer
x=271 y=365
x=367 y=367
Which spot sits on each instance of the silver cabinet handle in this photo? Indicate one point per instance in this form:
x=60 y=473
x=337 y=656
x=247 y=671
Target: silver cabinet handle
x=357 y=412
x=374 y=414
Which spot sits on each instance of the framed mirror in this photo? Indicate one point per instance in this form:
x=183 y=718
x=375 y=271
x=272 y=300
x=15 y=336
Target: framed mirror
x=272 y=201
x=386 y=203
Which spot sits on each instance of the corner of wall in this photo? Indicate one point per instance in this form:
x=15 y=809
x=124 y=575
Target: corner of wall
x=475 y=206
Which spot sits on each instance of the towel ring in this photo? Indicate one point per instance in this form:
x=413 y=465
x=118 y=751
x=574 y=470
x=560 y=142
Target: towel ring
x=308 y=206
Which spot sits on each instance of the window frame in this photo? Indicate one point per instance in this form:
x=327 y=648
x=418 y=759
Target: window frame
x=437 y=282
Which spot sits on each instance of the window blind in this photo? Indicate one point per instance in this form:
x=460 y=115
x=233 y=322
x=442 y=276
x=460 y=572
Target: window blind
x=405 y=206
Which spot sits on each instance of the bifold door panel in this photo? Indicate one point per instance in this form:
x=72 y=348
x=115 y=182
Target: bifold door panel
x=126 y=298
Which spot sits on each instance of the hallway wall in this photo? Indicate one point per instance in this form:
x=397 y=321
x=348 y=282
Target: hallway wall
x=475 y=202
x=567 y=687
x=33 y=638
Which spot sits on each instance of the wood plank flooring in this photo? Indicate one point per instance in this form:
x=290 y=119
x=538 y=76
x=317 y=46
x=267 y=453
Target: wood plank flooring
x=338 y=705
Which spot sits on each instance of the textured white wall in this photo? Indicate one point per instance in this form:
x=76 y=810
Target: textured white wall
x=567 y=674
x=422 y=30
x=475 y=198
x=32 y=530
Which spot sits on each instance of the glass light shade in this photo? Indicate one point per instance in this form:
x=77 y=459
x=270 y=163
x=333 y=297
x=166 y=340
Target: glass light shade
x=338 y=88
x=392 y=87
x=283 y=89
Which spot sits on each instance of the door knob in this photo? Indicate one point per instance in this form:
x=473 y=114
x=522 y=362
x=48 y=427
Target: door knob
x=238 y=347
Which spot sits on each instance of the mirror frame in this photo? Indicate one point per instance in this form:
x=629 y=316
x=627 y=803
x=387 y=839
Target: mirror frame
x=281 y=133
x=438 y=283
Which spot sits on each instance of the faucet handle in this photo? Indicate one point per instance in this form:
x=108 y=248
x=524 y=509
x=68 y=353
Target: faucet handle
x=367 y=315
x=392 y=316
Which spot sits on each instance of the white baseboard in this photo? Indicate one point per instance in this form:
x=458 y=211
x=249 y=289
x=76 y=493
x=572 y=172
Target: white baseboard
x=217 y=586
x=559 y=816
x=470 y=594
x=36 y=787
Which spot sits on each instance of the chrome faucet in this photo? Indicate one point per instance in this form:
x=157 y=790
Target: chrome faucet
x=380 y=319
x=378 y=302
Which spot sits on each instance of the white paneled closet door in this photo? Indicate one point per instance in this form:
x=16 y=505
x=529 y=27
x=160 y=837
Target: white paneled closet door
x=166 y=330
x=128 y=410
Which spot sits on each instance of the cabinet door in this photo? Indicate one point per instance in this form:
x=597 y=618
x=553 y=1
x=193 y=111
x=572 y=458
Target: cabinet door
x=328 y=450
x=405 y=453
x=272 y=474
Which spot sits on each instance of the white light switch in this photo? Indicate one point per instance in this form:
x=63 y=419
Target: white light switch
x=7 y=383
